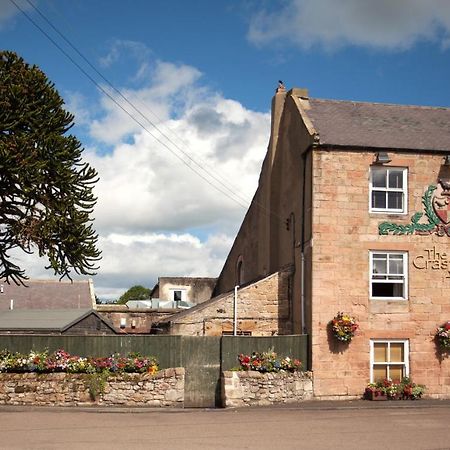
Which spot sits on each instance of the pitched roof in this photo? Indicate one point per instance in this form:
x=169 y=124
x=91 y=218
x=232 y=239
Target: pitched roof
x=43 y=319
x=48 y=294
x=379 y=125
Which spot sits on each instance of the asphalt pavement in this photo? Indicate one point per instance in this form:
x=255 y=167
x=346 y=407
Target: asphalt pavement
x=347 y=425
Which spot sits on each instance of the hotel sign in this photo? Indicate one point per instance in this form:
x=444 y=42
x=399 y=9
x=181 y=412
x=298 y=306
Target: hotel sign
x=434 y=260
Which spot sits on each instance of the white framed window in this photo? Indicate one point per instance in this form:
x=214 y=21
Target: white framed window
x=388 y=188
x=389 y=359
x=388 y=275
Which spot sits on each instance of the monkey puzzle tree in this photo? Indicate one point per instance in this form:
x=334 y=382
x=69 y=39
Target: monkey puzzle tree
x=46 y=193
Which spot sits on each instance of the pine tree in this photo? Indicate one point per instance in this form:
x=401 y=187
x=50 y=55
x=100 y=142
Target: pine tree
x=46 y=196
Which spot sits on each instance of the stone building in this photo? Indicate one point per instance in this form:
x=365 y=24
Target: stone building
x=356 y=198
x=190 y=290
x=168 y=297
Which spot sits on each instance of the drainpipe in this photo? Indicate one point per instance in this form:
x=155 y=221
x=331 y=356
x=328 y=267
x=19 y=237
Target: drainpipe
x=302 y=289
x=235 y=311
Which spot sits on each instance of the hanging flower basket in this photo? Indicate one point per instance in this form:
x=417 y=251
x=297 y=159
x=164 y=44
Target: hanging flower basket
x=344 y=327
x=442 y=336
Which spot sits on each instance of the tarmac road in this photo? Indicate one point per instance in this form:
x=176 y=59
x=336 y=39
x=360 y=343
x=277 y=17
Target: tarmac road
x=318 y=425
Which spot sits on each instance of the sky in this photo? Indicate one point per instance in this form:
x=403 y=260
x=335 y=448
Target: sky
x=172 y=104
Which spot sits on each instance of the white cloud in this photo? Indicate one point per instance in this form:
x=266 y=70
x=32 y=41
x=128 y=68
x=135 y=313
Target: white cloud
x=137 y=49
x=168 y=88
x=154 y=215
x=141 y=259
x=391 y=24
x=8 y=10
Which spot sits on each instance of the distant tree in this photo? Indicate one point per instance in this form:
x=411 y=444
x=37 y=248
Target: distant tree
x=46 y=193
x=135 y=293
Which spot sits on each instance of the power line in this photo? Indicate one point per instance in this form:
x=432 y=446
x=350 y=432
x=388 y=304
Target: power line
x=235 y=197
x=154 y=125
x=123 y=109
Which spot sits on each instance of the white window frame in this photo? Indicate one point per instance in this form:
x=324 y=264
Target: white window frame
x=405 y=343
x=183 y=294
x=387 y=189
x=387 y=281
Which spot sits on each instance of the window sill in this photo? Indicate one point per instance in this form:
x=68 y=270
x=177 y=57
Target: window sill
x=388 y=214
x=389 y=305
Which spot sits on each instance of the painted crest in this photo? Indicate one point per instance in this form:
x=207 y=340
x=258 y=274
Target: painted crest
x=441 y=201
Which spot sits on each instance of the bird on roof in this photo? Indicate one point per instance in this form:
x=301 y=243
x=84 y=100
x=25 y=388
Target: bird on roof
x=280 y=84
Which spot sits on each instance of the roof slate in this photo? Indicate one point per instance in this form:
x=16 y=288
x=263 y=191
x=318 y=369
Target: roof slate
x=38 y=319
x=379 y=125
x=47 y=294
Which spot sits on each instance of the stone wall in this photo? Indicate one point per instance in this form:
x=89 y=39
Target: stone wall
x=263 y=309
x=259 y=389
x=165 y=388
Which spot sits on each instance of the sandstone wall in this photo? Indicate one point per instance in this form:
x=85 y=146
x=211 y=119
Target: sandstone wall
x=259 y=389
x=263 y=309
x=165 y=388
x=344 y=233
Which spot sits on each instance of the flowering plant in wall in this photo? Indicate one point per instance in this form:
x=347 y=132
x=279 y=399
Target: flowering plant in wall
x=268 y=362
x=442 y=336
x=343 y=327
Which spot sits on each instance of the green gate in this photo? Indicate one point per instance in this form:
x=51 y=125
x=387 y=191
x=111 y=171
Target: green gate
x=201 y=360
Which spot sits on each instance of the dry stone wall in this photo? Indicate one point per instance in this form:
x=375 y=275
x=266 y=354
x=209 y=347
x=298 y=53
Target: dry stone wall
x=163 y=389
x=259 y=389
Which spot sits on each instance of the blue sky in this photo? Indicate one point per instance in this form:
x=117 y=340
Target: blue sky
x=204 y=73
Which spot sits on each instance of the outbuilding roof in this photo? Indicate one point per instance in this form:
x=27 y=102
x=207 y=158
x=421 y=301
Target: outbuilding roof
x=44 y=319
x=379 y=125
x=47 y=294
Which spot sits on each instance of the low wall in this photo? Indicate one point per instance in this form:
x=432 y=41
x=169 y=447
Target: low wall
x=258 y=389
x=165 y=388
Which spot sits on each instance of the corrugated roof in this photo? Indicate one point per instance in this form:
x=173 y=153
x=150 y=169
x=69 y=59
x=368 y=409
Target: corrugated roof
x=40 y=319
x=47 y=294
x=379 y=125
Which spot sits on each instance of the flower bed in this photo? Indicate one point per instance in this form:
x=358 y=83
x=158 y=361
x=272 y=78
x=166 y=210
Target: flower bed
x=389 y=390
x=62 y=361
x=268 y=362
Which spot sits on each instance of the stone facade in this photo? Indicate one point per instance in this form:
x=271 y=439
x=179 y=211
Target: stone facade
x=163 y=389
x=261 y=389
x=137 y=321
x=263 y=309
x=315 y=183
x=196 y=289
x=344 y=234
